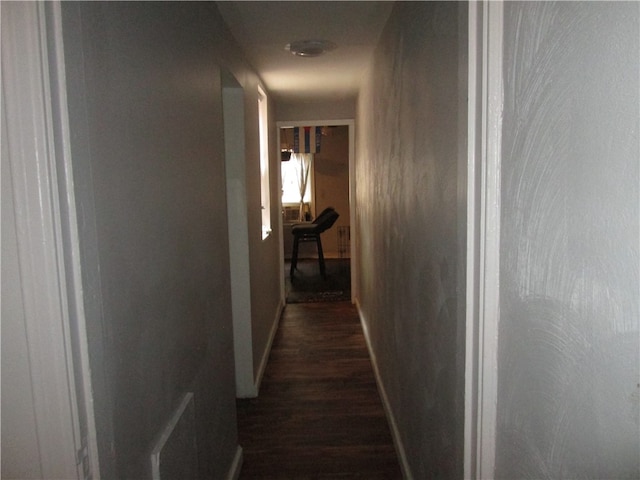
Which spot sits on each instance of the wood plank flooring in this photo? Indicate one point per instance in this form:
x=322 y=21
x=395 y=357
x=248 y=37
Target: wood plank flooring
x=319 y=415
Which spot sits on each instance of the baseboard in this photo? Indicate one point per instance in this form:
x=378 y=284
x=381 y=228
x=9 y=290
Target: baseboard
x=395 y=433
x=267 y=350
x=236 y=466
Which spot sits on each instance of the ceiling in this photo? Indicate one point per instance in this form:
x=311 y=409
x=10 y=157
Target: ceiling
x=264 y=28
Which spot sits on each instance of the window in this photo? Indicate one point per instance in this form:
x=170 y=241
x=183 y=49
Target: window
x=291 y=171
x=265 y=204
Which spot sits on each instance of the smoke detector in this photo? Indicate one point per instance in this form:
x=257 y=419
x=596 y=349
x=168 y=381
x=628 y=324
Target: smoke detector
x=309 y=48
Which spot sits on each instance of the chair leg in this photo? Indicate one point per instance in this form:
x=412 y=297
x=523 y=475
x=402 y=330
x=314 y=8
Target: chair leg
x=294 y=256
x=321 y=257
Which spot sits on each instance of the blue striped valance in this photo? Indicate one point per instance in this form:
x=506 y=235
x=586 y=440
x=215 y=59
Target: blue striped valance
x=306 y=139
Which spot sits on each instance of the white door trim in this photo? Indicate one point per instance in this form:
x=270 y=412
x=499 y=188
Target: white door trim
x=483 y=236
x=31 y=53
x=235 y=172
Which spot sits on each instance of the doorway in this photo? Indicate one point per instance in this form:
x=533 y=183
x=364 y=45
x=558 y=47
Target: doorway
x=330 y=184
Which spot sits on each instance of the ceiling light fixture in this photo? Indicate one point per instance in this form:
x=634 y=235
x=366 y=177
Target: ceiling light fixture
x=309 y=48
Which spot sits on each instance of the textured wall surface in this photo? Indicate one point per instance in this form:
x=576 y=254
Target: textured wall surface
x=146 y=125
x=569 y=390
x=407 y=218
x=331 y=183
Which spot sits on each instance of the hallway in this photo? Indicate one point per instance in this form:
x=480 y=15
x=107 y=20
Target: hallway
x=494 y=220
x=318 y=414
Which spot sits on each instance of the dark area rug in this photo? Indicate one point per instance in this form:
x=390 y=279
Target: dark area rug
x=308 y=286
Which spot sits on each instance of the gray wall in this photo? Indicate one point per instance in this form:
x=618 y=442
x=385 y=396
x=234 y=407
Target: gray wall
x=568 y=391
x=316 y=110
x=410 y=205
x=148 y=153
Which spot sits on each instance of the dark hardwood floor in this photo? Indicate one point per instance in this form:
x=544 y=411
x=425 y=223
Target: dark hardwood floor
x=319 y=415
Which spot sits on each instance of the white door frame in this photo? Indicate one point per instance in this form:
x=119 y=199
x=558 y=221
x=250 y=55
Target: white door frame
x=352 y=192
x=240 y=276
x=38 y=146
x=483 y=236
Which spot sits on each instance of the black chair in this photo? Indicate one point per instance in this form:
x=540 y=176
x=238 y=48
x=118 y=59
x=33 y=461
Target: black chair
x=308 y=232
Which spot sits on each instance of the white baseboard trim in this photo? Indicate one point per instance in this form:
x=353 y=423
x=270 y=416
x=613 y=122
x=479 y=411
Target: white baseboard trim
x=236 y=466
x=395 y=432
x=267 y=350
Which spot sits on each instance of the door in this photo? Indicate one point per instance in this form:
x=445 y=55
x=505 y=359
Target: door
x=47 y=418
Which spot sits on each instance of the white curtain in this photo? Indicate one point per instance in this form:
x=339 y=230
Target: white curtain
x=303 y=162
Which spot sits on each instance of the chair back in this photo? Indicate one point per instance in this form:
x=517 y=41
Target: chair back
x=326 y=220
x=323 y=214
